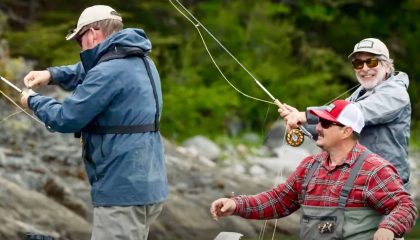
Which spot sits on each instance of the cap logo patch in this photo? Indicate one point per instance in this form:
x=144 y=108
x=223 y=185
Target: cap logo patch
x=365 y=44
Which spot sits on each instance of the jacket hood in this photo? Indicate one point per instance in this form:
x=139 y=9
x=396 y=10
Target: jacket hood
x=129 y=37
x=401 y=77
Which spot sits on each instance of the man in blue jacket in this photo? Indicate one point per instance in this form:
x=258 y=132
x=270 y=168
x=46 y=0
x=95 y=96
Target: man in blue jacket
x=383 y=98
x=115 y=107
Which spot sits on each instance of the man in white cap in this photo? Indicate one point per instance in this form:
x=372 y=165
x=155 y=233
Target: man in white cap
x=384 y=101
x=115 y=108
x=344 y=192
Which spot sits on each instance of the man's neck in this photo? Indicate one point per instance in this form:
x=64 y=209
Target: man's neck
x=339 y=154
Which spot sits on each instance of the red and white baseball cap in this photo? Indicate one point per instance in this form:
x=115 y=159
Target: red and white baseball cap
x=343 y=112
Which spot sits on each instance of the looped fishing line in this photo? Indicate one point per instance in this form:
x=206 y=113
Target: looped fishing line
x=11 y=115
x=20 y=108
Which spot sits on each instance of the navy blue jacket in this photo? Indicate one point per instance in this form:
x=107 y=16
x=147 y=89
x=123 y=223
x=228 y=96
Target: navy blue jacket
x=123 y=169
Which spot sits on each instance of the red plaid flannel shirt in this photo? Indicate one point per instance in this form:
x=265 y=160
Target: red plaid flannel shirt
x=377 y=186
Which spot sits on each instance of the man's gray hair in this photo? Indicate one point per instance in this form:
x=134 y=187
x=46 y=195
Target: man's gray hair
x=107 y=26
x=388 y=61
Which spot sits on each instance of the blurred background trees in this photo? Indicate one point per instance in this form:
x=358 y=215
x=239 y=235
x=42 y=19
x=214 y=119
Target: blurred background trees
x=296 y=49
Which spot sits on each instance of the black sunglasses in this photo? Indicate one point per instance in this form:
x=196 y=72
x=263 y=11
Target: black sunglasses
x=327 y=123
x=370 y=62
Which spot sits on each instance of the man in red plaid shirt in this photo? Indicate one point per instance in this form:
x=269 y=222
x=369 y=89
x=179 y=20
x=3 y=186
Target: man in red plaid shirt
x=345 y=192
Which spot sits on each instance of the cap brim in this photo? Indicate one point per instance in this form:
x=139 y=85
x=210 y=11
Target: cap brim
x=323 y=114
x=72 y=35
x=366 y=51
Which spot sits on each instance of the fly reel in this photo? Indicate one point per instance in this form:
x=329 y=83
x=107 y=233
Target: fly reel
x=295 y=137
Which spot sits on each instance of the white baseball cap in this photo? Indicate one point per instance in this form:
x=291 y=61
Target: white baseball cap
x=91 y=15
x=343 y=112
x=371 y=45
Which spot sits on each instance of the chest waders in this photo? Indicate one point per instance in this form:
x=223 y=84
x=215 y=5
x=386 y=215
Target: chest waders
x=335 y=223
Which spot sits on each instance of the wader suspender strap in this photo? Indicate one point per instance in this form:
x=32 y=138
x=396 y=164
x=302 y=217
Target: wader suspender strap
x=308 y=177
x=124 y=129
x=345 y=191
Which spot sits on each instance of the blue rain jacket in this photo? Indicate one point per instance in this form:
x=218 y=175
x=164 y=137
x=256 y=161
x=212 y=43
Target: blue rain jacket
x=123 y=169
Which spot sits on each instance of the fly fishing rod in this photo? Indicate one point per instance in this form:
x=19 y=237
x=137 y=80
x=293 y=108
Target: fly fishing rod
x=11 y=84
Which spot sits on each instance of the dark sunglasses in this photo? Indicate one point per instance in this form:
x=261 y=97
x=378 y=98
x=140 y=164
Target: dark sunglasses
x=370 y=62
x=327 y=124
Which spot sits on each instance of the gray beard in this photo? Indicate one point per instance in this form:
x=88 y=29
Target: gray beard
x=369 y=85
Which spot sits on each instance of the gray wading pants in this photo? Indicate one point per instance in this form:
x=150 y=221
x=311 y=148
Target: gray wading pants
x=124 y=223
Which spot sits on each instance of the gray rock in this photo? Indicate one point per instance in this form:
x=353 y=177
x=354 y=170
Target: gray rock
x=251 y=138
x=204 y=146
x=24 y=211
x=257 y=171
x=228 y=236
x=2 y=157
x=275 y=135
x=58 y=190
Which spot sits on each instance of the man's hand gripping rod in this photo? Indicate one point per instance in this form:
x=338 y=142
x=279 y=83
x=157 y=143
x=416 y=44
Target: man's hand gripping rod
x=294 y=137
x=20 y=91
x=15 y=87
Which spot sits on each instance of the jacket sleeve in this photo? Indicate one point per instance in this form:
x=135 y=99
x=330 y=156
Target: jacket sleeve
x=67 y=77
x=387 y=100
x=387 y=195
x=88 y=100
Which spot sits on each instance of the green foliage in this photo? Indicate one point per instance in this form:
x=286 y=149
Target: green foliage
x=415 y=138
x=319 y=12
x=192 y=107
x=46 y=46
x=9 y=67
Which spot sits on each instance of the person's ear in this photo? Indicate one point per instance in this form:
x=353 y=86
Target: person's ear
x=98 y=35
x=348 y=131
